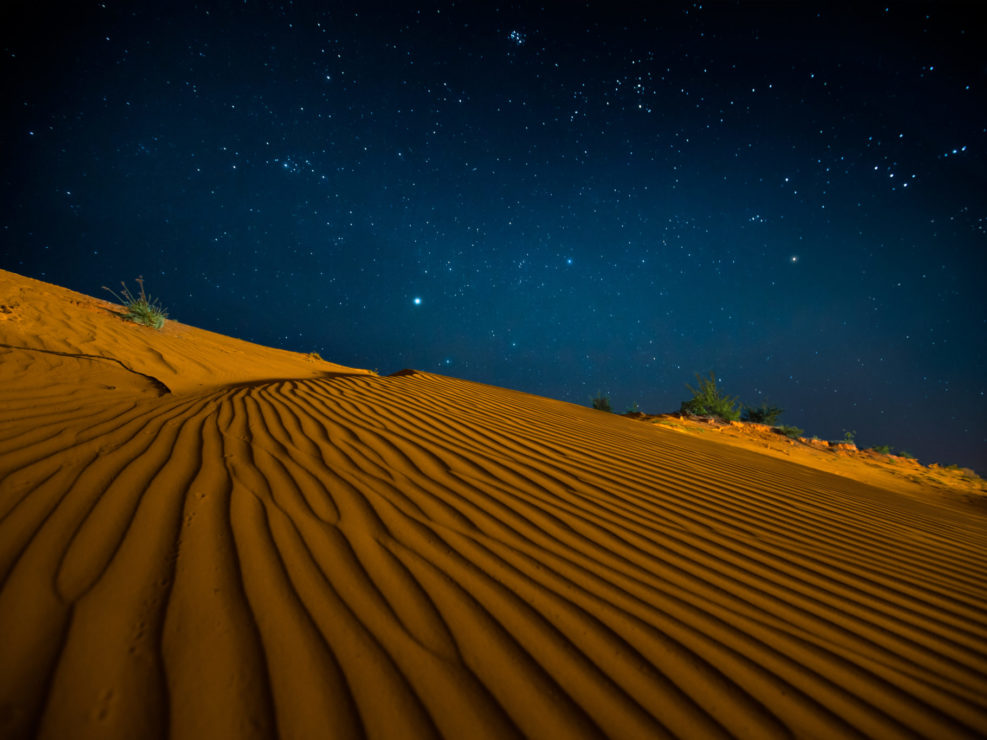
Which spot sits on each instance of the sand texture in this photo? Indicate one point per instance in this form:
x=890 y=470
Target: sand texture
x=203 y=538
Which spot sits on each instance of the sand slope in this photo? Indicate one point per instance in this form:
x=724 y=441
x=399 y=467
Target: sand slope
x=891 y=471
x=267 y=547
x=88 y=335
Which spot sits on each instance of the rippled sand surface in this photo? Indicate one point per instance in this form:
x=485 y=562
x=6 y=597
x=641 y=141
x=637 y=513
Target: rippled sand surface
x=203 y=538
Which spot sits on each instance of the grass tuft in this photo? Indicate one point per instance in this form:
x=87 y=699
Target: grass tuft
x=708 y=401
x=141 y=309
x=789 y=431
x=602 y=403
x=763 y=414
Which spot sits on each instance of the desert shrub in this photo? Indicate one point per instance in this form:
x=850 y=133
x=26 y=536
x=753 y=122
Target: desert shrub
x=789 y=431
x=883 y=449
x=849 y=436
x=763 y=414
x=906 y=455
x=602 y=403
x=141 y=309
x=707 y=401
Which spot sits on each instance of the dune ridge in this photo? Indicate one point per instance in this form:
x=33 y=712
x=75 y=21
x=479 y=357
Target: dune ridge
x=420 y=556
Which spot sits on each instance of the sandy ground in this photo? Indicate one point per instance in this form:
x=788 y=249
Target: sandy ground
x=204 y=538
x=902 y=474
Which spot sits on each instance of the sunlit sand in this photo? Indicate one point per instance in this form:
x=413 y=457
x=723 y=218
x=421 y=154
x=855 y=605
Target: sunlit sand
x=205 y=538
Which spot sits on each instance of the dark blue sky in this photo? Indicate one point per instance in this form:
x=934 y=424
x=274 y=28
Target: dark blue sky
x=563 y=199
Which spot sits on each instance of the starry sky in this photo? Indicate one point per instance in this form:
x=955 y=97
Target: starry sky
x=567 y=198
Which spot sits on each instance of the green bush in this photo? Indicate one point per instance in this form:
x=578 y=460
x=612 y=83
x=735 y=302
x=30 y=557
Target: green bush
x=883 y=449
x=602 y=403
x=793 y=432
x=763 y=414
x=707 y=401
x=141 y=309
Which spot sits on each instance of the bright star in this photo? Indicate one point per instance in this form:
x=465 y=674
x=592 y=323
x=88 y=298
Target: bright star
x=417 y=301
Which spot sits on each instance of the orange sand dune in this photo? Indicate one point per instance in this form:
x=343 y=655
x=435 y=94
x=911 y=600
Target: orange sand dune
x=889 y=471
x=202 y=538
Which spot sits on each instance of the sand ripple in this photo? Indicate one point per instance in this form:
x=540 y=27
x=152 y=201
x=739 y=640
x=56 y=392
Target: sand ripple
x=418 y=556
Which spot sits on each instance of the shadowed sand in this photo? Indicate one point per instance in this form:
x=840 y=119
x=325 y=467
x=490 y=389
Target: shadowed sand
x=203 y=538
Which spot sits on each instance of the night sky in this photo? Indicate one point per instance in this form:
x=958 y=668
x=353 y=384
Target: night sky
x=564 y=199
